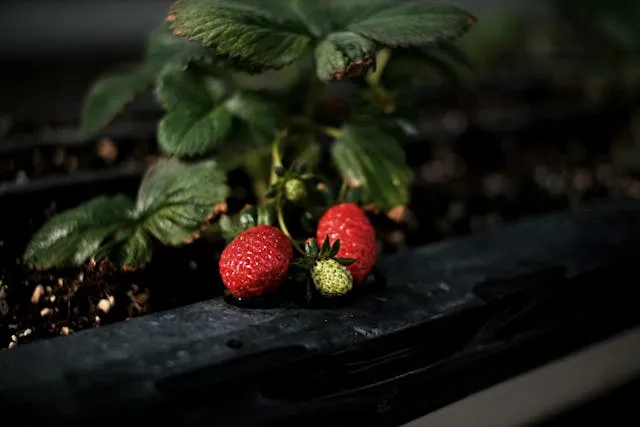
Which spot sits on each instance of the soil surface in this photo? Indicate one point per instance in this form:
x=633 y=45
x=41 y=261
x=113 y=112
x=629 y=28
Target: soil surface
x=473 y=173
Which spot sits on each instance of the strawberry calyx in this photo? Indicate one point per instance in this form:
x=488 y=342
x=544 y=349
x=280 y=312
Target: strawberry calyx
x=313 y=253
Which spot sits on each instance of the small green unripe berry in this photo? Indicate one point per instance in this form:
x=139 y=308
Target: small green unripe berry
x=331 y=278
x=294 y=190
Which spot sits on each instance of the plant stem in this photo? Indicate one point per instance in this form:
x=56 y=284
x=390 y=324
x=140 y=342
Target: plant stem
x=276 y=160
x=373 y=78
x=343 y=191
x=335 y=133
x=285 y=230
x=385 y=97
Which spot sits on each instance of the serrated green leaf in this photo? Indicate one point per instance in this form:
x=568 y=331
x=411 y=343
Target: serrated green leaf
x=133 y=252
x=196 y=122
x=313 y=14
x=175 y=199
x=109 y=95
x=73 y=236
x=256 y=123
x=255 y=111
x=376 y=161
x=344 y=54
x=176 y=88
x=413 y=24
x=164 y=48
x=187 y=132
x=343 y=13
x=258 y=33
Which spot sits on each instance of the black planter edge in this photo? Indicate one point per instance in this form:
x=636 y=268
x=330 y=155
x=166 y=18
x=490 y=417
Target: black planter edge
x=461 y=288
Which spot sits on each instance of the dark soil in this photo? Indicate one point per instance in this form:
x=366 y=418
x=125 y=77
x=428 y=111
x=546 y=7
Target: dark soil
x=59 y=149
x=470 y=176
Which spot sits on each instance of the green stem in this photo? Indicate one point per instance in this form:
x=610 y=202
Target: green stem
x=343 y=191
x=276 y=160
x=335 y=133
x=374 y=77
x=285 y=230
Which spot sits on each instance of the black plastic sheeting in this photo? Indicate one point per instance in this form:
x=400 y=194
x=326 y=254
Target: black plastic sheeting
x=454 y=318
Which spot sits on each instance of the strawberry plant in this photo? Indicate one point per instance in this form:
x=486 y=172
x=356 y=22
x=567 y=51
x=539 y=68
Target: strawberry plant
x=242 y=85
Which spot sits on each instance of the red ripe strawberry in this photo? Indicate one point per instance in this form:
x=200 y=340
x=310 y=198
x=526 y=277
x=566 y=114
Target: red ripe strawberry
x=256 y=261
x=349 y=224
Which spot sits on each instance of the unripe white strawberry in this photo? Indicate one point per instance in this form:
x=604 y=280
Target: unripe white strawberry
x=331 y=278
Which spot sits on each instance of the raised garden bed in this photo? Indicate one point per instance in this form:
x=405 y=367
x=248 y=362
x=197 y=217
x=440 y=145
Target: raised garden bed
x=453 y=318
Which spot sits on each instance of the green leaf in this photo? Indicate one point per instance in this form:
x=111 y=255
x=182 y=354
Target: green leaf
x=344 y=54
x=256 y=121
x=343 y=13
x=413 y=23
x=176 y=88
x=376 y=161
x=258 y=114
x=188 y=132
x=255 y=33
x=197 y=121
x=175 y=199
x=73 y=236
x=132 y=252
x=345 y=261
x=109 y=95
x=165 y=49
